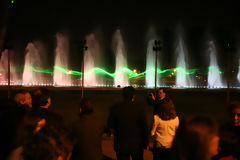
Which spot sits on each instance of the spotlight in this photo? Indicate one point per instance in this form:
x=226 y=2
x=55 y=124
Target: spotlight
x=157 y=46
x=83 y=45
x=85 y=48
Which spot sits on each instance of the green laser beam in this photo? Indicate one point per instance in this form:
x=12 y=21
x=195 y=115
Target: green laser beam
x=130 y=73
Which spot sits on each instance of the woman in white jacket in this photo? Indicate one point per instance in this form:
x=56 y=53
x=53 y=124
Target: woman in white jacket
x=163 y=131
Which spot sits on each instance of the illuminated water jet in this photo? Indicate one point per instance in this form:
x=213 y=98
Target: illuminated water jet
x=61 y=61
x=182 y=79
x=150 y=66
x=121 y=78
x=214 y=76
x=32 y=58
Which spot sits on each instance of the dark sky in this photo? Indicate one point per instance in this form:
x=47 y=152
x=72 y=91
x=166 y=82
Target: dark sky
x=41 y=19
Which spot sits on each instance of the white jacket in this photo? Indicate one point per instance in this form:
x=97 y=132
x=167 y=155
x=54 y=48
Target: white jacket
x=164 y=131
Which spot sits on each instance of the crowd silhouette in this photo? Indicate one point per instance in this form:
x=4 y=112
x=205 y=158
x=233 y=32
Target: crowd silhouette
x=30 y=130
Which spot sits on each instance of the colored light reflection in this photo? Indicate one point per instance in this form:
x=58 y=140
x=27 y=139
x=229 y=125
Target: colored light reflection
x=129 y=72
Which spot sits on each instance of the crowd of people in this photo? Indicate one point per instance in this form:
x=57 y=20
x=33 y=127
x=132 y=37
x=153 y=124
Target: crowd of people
x=29 y=130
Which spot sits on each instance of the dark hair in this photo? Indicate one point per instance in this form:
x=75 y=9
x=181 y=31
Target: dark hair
x=48 y=143
x=86 y=106
x=164 y=89
x=40 y=90
x=166 y=110
x=128 y=92
x=41 y=98
x=234 y=104
x=192 y=139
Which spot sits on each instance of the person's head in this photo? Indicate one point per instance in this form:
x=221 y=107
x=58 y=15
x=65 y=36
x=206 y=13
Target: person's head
x=85 y=107
x=23 y=98
x=48 y=143
x=166 y=110
x=41 y=98
x=235 y=113
x=196 y=139
x=40 y=90
x=128 y=93
x=161 y=93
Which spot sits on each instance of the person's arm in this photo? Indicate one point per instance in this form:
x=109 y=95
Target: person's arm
x=151 y=99
x=154 y=127
x=108 y=129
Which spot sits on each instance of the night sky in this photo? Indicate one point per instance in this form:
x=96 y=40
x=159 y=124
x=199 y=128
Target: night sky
x=32 y=20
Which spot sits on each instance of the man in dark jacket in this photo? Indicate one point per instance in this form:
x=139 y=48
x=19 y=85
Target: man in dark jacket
x=159 y=99
x=128 y=121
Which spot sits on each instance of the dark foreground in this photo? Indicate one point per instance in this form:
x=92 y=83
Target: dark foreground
x=188 y=102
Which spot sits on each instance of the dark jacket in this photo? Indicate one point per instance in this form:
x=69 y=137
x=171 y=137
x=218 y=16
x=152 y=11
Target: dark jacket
x=128 y=121
x=88 y=130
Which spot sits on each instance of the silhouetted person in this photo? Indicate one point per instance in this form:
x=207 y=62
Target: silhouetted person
x=9 y=122
x=32 y=123
x=195 y=139
x=230 y=135
x=128 y=122
x=50 y=143
x=10 y=119
x=41 y=103
x=88 y=130
x=39 y=96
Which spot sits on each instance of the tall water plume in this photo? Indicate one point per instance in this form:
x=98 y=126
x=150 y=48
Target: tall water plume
x=182 y=77
x=4 y=69
x=238 y=53
x=61 y=76
x=214 y=77
x=32 y=64
x=91 y=58
x=150 y=66
x=150 y=63
x=238 y=75
x=121 y=77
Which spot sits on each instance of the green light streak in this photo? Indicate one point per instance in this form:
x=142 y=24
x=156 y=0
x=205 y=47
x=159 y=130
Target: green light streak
x=39 y=70
x=215 y=69
x=130 y=73
x=63 y=70
x=190 y=71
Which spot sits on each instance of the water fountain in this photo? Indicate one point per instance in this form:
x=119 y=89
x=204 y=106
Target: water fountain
x=183 y=79
x=4 y=67
x=121 y=77
x=32 y=58
x=238 y=69
x=214 y=74
x=14 y=77
x=150 y=60
x=91 y=58
x=61 y=77
x=35 y=73
x=150 y=66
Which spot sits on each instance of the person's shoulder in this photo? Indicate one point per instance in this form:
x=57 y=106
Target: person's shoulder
x=115 y=106
x=176 y=120
x=167 y=99
x=156 y=117
x=226 y=126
